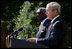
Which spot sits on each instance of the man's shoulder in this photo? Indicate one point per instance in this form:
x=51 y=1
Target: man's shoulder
x=59 y=20
x=45 y=22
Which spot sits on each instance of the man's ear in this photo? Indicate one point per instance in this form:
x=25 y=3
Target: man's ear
x=56 y=11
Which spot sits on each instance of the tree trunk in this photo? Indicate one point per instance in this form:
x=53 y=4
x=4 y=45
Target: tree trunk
x=4 y=33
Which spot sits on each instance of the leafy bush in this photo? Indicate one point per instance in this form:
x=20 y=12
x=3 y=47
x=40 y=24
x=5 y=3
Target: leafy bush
x=27 y=19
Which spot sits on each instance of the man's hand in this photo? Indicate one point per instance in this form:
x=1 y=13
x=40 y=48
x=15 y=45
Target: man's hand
x=33 y=40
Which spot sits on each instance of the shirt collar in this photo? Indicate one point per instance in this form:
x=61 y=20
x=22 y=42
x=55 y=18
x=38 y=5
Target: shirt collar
x=54 y=18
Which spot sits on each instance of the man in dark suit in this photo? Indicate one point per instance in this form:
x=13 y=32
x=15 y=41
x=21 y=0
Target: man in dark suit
x=55 y=35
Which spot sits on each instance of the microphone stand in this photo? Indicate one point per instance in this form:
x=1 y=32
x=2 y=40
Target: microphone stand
x=16 y=33
x=12 y=35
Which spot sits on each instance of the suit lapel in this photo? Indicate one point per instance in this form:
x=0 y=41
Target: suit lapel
x=51 y=26
x=49 y=29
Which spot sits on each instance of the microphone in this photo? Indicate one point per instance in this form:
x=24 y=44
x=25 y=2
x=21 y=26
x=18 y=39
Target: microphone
x=20 y=29
x=16 y=32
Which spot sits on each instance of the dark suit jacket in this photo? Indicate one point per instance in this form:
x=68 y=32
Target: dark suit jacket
x=54 y=35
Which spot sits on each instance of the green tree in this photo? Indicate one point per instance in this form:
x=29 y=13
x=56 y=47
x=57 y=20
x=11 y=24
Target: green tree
x=27 y=20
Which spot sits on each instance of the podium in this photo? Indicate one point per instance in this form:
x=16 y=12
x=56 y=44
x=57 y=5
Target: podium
x=16 y=43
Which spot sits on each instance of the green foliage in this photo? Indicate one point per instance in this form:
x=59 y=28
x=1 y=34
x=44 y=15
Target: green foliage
x=69 y=35
x=25 y=20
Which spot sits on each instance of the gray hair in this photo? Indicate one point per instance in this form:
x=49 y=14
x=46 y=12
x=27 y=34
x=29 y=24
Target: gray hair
x=54 y=6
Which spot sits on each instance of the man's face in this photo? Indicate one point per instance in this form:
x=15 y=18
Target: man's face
x=49 y=12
